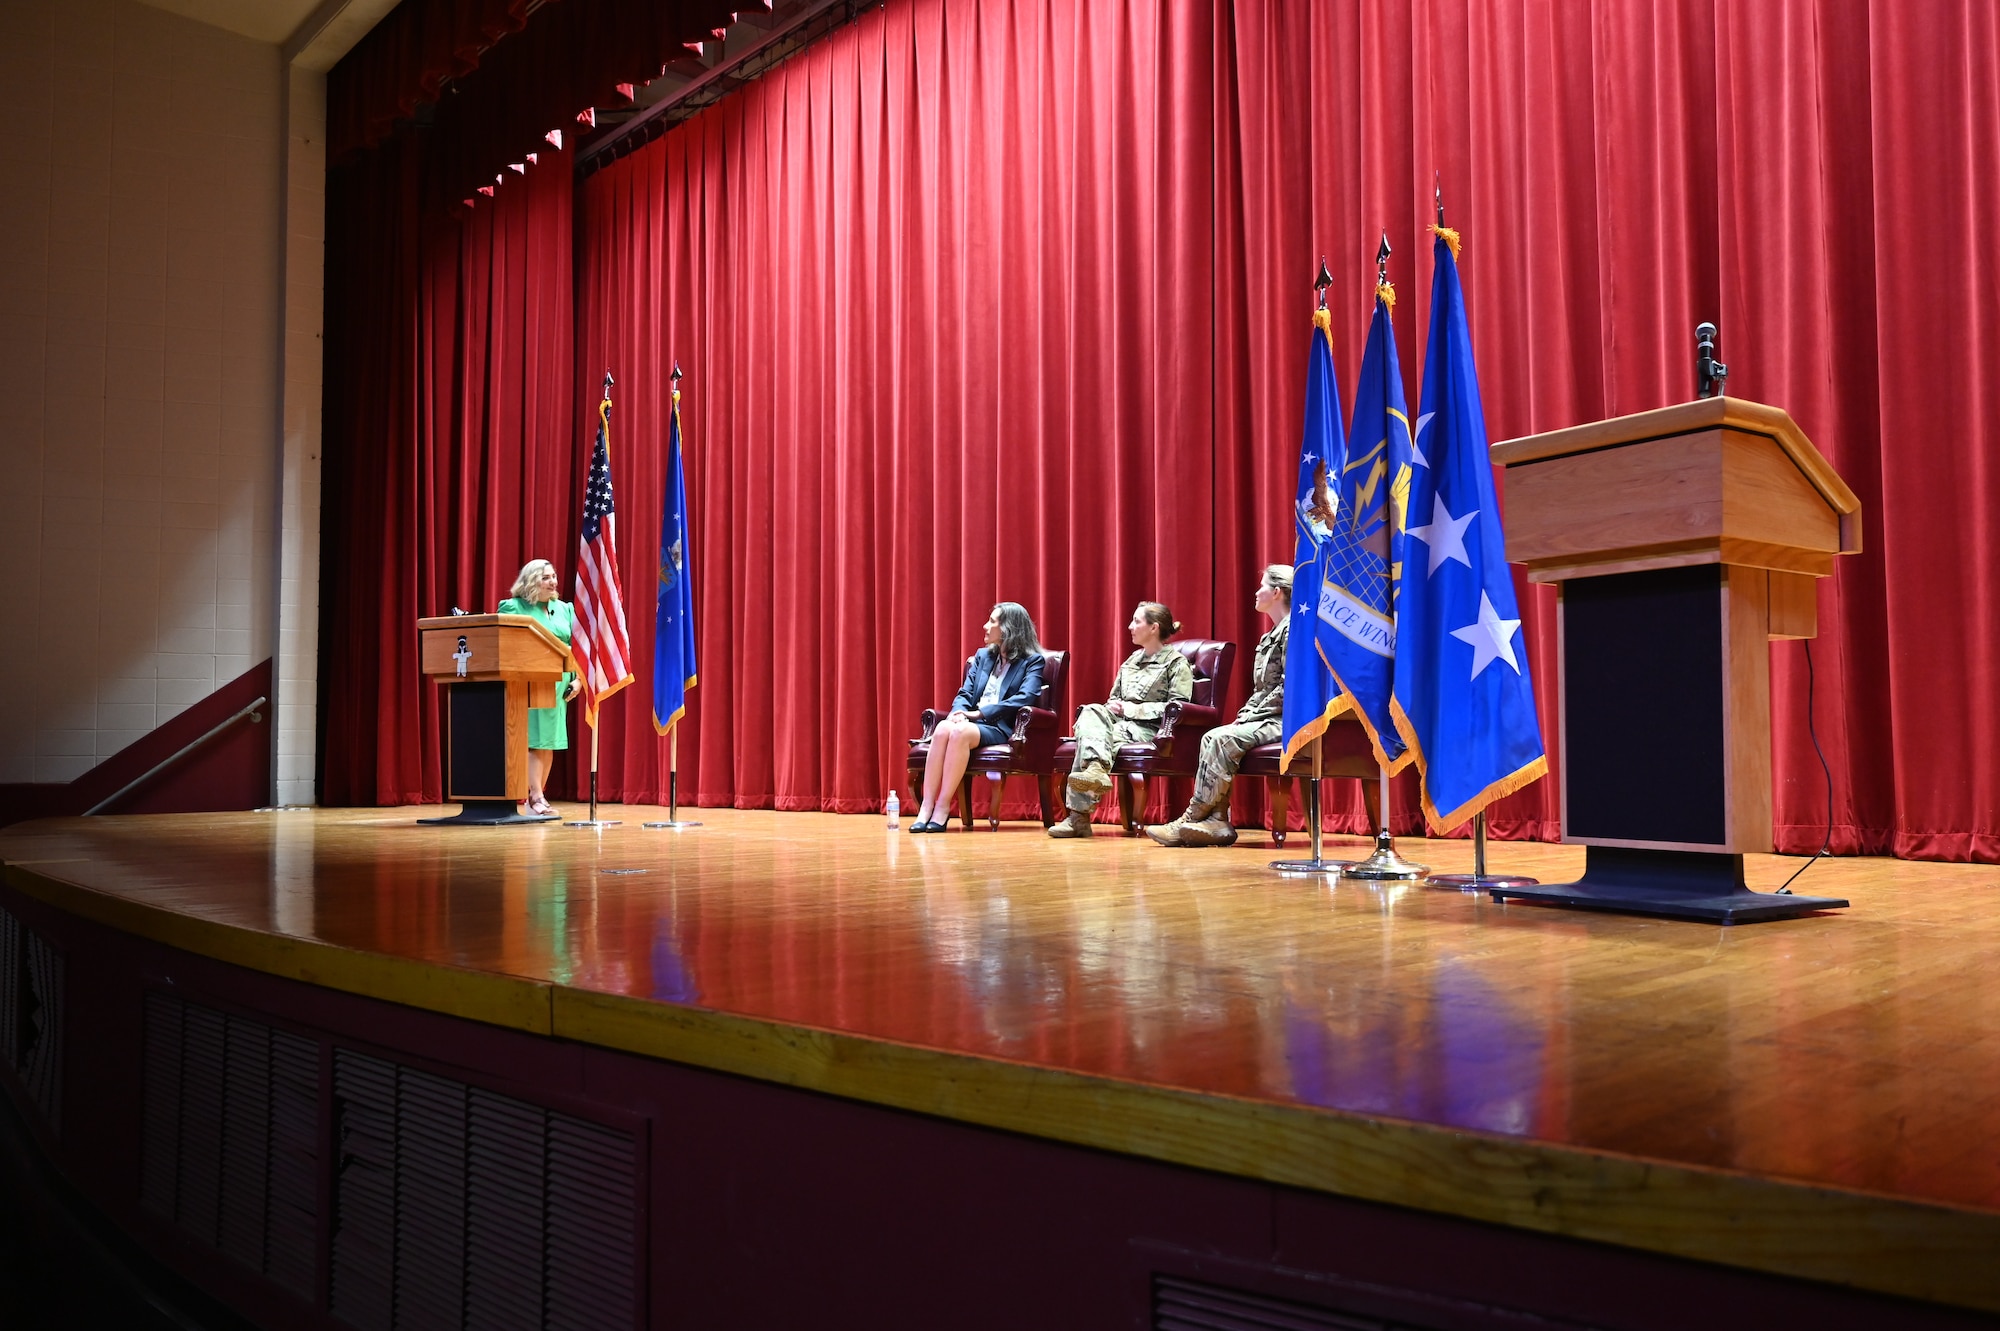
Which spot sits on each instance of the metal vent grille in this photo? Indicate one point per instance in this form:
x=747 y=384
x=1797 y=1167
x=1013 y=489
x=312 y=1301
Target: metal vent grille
x=10 y=985
x=456 y=1207
x=1191 y=1305
x=230 y=1120
x=31 y=1015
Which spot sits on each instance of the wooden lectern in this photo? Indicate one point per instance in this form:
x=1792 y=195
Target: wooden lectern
x=493 y=668
x=1681 y=541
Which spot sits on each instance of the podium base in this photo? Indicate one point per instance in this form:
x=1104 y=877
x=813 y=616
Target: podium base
x=1674 y=884
x=489 y=813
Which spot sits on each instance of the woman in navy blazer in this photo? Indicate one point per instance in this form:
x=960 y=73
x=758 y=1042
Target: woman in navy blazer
x=1005 y=675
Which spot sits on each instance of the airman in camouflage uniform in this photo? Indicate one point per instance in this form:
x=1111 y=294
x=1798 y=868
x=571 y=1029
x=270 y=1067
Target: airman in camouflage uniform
x=1258 y=721
x=1151 y=677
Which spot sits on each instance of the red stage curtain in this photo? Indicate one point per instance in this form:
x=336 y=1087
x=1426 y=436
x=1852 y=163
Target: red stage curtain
x=448 y=442
x=1011 y=299
x=941 y=289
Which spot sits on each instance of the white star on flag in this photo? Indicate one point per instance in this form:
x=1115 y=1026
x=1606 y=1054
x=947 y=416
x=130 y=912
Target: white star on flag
x=1492 y=638
x=1416 y=440
x=1445 y=535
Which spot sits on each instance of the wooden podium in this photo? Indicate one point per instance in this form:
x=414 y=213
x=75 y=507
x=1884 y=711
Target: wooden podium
x=1681 y=541
x=493 y=668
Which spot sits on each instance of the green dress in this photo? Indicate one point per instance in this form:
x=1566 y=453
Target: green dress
x=548 y=727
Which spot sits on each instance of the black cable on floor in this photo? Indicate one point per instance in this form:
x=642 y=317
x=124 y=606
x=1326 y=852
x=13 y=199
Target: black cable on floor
x=1812 y=729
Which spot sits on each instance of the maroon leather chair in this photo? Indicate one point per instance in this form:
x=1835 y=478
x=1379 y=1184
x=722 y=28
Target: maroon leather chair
x=1344 y=752
x=1177 y=747
x=1029 y=751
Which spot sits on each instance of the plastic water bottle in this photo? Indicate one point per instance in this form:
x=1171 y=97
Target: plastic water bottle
x=893 y=809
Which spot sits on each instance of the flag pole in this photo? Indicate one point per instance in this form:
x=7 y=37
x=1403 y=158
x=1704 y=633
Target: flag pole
x=1479 y=880
x=1314 y=820
x=674 y=820
x=593 y=820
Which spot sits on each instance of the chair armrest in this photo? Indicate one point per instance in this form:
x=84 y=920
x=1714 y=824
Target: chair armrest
x=1188 y=718
x=929 y=720
x=1037 y=735
x=1029 y=719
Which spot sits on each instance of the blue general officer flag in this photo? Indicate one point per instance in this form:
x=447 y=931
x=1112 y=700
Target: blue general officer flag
x=1311 y=697
x=1357 y=593
x=673 y=630
x=1464 y=700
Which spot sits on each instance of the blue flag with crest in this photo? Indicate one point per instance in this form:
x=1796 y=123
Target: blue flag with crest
x=673 y=630
x=1356 y=613
x=1465 y=702
x=1311 y=697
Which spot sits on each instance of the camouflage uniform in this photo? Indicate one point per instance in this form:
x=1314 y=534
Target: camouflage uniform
x=1222 y=749
x=1145 y=686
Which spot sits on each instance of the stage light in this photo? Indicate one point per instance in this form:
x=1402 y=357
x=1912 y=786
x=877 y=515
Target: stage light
x=587 y=116
x=554 y=136
x=534 y=159
x=517 y=168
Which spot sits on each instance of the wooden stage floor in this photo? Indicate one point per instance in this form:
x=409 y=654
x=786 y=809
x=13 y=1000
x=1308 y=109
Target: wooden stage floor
x=1632 y=1080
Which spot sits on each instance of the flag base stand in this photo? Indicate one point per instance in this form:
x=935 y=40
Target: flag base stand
x=1479 y=880
x=1676 y=884
x=489 y=813
x=1385 y=865
x=1312 y=866
x=673 y=824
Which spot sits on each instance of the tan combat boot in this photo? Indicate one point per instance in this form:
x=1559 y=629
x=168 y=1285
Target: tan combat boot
x=1167 y=834
x=1076 y=824
x=1213 y=830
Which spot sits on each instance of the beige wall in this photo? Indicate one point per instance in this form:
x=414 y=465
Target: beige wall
x=142 y=305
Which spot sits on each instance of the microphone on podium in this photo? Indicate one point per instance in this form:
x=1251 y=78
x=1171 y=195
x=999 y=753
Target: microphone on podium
x=1708 y=371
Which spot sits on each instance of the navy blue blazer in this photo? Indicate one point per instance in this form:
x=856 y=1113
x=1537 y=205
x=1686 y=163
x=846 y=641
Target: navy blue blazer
x=1020 y=687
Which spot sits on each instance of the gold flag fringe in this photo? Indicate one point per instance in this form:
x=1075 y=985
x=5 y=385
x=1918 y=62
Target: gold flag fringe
x=1450 y=237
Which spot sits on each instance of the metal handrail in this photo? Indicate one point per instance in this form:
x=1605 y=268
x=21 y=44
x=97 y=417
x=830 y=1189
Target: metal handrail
x=183 y=752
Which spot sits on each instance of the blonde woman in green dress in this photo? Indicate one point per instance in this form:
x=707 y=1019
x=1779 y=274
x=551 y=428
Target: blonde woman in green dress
x=548 y=730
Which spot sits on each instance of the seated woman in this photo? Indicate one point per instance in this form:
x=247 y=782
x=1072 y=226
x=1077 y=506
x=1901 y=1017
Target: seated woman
x=534 y=595
x=1151 y=678
x=1005 y=676
x=1206 y=820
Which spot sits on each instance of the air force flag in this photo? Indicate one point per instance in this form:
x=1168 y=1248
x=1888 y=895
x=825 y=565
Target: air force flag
x=1356 y=611
x=1464 y=701
x=1311 y=697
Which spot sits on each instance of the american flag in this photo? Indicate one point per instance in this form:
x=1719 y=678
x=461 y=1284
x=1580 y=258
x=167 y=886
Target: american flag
x=603 y=651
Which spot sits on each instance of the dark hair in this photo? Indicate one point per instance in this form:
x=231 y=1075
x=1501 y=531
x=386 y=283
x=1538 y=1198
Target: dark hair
x=1017 y=631
x=1156 y=613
